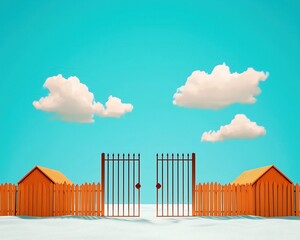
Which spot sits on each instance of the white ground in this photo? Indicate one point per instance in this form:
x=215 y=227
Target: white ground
x=149 y=227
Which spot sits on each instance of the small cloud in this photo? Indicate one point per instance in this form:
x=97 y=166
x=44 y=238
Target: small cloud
x=72 y=101
x=219 y=89
x=239 y=128
x=115 y=107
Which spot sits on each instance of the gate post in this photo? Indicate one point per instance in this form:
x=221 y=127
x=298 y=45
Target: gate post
x=193 y=182
x=102 y=183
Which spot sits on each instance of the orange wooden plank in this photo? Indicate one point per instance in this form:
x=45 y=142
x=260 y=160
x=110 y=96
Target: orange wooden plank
x=38 y=200
x=219 y=199
x=9 y=206
x=293 y=199
x=251 y=200
x=229 y=199
x=82 y=187
x=26 y=199
x=224 y=200
x=88 y=202
x=267 y=203
x=69 y=199
x=198 y=194
x=204 y=199
x=271 y=199
x=231 y=190
x=5 y=200
x=297 y=199
x=61 y=199
x=239 y=200
x=257 y=200
x=44 y=200
x=99 y=213
x=21 y=201
x=262 y=199
x=14 y=200
x=289 y=199
x=280 y=200
x=65 y=199
x=275 y=194
x=30 y=200
x=1 y=214
x=207 y=199
x=215 y=199
x=51 y=199
x=194 y=211
x=72 y=199
x=57 y=197
x=211 y=199
x=244 y=199
x=200 y=210
x=93 y=202
x=86 y=199
x=284 y=200
x=231 y=196
x=76 y=201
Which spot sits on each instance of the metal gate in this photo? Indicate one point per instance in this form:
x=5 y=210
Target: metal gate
x=120 y=176
x=175 y=185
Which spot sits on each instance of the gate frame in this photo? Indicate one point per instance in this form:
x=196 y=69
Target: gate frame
x=193 y=183
x=106 y=157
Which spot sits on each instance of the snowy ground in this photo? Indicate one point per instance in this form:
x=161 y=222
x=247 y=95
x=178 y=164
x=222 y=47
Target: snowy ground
x=149 y=227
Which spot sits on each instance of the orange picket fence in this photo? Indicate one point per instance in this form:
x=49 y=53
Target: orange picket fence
x=7 y=199
x=51 y=200
x=264 y=199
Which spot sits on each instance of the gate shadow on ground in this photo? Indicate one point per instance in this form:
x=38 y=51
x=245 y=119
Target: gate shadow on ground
x=90 y=218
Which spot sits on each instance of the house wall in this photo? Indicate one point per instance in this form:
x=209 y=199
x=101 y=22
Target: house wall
x=273 y=175
x=36 y=176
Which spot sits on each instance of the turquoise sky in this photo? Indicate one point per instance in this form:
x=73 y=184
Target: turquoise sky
x=142 y=52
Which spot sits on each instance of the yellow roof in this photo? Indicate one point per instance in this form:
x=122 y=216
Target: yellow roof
x=251 y=176
x=54 y=175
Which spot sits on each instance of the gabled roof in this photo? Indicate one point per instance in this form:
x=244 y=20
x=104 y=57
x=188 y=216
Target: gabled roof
x=252 y=176
x=54 y=175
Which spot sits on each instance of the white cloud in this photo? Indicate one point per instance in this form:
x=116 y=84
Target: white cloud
x=72 y=101
x=219 y=89
x=240 y=127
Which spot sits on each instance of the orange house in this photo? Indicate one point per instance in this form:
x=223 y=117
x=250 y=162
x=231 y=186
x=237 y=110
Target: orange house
x=44 y=175
x=35 y=191
x=273 y=191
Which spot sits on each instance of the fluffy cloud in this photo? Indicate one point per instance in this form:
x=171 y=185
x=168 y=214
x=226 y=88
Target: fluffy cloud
x=240 y=127
x=72 y=101
x=219 y=89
